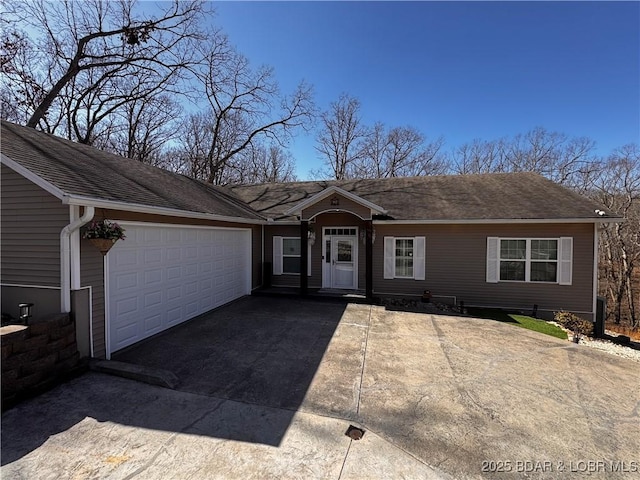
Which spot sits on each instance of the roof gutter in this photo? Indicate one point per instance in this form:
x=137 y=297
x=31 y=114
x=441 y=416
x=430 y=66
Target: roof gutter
x=139 y=208
x=500 y=221
x=65 y=257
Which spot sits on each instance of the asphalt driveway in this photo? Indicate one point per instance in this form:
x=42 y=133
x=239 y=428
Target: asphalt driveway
x=267 y=388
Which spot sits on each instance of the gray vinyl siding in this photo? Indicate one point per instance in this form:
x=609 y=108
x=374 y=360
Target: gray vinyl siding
x=336 y=220
x=456 y=266
x=92 y=274
x=256 y=254
x=31 y=221
x=284 y=280
x=321 y=221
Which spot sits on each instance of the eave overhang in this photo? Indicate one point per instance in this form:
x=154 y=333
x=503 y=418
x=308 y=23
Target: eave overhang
x=85 y=201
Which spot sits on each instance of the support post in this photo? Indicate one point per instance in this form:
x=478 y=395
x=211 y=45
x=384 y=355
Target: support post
x=369 y=259
x=304 y=254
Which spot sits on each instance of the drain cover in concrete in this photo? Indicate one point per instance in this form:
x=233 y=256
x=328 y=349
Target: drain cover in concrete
x=354 y=433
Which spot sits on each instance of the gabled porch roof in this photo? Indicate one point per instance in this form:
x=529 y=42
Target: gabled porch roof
x=337 y=192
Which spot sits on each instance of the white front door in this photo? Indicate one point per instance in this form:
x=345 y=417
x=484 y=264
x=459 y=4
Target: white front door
x=343 y=262
x=340 y=258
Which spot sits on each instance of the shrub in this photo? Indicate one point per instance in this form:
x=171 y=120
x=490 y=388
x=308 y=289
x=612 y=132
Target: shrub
x=572 y=322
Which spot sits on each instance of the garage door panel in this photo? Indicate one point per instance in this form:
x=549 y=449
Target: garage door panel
x=173 y=254
x=167 y=275
x=125 y=306
x=153 y=277
x=153 y=323
x=173 y=236
x=174 y=293
x=174 y=315
x=153 y=299
x=153 y=257
x=127 y=333
x=205 y=268
x=191 y=309
x=128 y=280
x=190 y=289
x=153 y=236
x=206 y=285
x=126 y=258
x=190 y=236
x=174 y=273
x=206 y=303
x=190 y=270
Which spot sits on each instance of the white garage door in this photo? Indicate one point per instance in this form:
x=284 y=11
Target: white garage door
x=160 y=276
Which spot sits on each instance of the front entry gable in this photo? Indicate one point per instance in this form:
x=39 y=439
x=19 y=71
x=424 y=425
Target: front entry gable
x=335 y=199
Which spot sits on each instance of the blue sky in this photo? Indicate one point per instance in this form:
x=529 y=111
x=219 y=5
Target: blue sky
x=461 y=70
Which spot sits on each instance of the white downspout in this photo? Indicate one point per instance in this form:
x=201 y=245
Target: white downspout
x=65 y=257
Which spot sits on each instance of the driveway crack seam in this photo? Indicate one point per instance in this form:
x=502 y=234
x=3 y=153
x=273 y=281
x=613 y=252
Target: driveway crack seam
x=169 y=441
x=344 y=461
x=364 y=360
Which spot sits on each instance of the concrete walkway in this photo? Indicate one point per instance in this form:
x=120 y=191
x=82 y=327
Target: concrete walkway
x=268 y=387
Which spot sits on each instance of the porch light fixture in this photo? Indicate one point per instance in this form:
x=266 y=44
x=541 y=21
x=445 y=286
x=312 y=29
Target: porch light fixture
x=363 y=236
x=311 y=235
x=26 y=310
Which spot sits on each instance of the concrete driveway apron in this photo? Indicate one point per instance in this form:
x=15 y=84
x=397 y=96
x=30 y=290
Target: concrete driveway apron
x=267 y=388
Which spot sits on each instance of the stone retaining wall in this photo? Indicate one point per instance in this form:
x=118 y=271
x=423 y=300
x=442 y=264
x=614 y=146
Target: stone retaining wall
x=36 y=356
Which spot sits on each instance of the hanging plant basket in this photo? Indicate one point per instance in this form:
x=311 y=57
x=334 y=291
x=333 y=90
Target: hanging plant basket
x=102 y=244
x=103 y=234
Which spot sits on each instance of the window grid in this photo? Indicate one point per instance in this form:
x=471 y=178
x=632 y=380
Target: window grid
x=291 y=255
x=404 y=257
x=340 y=231
x=529 y=260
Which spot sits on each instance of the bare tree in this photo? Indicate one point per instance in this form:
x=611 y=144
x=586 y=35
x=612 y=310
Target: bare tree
x=20 y=85
x=618 y=187
x=340 y=137
x=263 y=164
x=144 y=128
x=82 y=53
x=480 y=156
x=568 y=161
x=244 y=108
x=190 y=154
x=552 y=154
x=398 y=152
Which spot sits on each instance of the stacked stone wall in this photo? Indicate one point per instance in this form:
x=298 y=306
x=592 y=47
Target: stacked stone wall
x=36 y=356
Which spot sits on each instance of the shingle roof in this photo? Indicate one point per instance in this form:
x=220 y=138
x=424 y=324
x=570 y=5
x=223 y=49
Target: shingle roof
x=507 y=196
x=85 y=171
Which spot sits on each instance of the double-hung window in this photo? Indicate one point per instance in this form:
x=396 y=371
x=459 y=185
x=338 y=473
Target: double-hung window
x=529 y=260
x=286 y=256
x=404 y=257
x=291 y=255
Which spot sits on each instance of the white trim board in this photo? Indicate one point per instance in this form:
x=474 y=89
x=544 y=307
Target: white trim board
x=139 y=208
x=28 y=286
x=179 y=225
x=338 y=210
